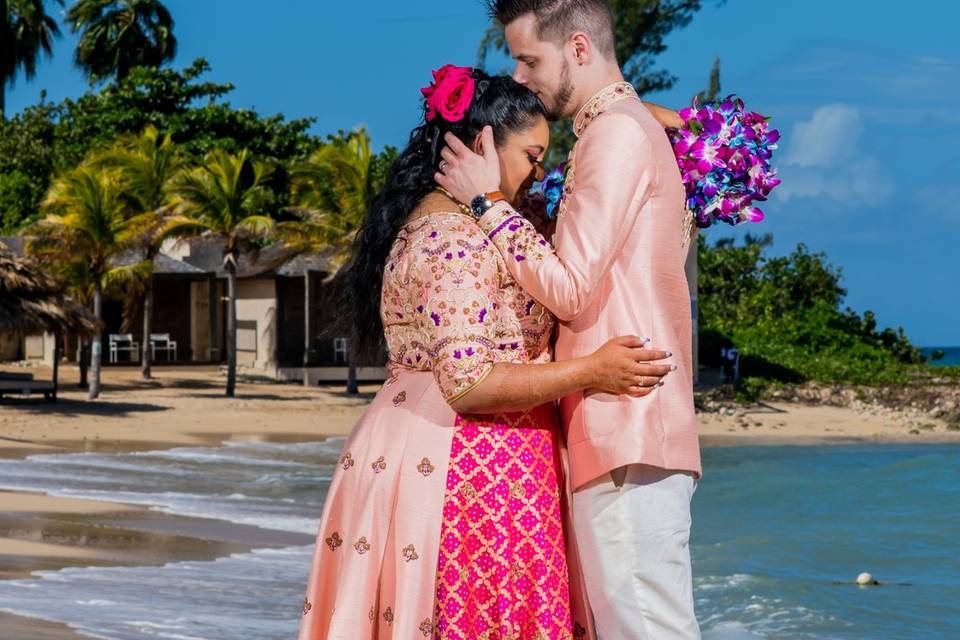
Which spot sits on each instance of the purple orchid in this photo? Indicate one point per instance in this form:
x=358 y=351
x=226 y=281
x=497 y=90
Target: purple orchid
x=724 y=152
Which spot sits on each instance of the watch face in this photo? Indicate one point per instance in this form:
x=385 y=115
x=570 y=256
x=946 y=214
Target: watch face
x=479 y=205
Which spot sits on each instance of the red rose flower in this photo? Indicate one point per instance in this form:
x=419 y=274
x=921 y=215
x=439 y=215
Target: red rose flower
x=450 y=93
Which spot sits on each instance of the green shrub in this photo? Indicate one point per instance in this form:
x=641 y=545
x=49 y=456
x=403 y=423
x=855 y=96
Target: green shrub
x=784 y=314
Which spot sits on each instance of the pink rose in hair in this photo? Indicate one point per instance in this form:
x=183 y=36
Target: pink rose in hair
x=450 y=93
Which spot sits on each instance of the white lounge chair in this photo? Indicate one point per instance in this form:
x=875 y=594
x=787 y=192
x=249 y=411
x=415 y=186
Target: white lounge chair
x=340 y=350
x=162 y=342
x=123 y=342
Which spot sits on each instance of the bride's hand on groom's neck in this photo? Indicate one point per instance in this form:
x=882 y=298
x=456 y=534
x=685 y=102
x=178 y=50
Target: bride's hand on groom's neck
x=668 y=118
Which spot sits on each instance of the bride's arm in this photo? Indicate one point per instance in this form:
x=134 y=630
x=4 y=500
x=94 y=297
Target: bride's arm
x=668 y=118
x=620 y=366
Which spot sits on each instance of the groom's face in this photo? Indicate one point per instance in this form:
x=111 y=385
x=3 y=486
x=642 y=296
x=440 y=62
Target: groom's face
x=542 y=66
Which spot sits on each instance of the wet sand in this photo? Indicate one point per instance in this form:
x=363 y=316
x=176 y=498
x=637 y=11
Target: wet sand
x=42 y=533
x=15 y=627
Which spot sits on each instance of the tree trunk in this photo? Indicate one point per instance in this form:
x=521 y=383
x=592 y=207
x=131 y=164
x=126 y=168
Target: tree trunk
x=96 y=347
x=83 y=359
x=231 y=329
x=351 y=371
x=57 y=343
x=308 y=320
x=145 y=352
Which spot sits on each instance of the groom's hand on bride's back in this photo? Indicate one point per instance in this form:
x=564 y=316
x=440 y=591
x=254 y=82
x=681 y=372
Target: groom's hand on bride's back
x=626 y=365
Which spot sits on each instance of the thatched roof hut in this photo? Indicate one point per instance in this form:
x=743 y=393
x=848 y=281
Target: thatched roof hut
x=31 y=301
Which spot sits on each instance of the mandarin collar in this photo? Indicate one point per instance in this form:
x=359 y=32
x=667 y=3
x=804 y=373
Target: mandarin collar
x=600 y=102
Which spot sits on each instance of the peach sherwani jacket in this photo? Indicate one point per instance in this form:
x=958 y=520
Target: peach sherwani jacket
x=616 y=268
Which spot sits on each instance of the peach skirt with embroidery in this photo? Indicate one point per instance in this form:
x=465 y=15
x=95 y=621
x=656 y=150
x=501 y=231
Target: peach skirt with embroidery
x=437 y=526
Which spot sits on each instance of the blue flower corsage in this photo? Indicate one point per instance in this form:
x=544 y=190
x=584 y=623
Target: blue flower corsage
x=552 y=188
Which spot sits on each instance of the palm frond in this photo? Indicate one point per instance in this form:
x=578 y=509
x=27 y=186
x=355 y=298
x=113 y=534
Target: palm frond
x=122 y=278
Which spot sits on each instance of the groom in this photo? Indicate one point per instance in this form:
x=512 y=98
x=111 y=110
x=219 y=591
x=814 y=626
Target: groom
x=617 y=268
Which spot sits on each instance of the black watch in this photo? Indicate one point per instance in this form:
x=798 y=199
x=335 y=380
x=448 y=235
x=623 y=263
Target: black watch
x=483 y=202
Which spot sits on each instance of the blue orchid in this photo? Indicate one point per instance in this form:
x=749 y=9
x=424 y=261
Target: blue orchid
x=552 y=188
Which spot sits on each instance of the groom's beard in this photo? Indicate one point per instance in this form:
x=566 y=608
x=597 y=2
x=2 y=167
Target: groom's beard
x=561 y=99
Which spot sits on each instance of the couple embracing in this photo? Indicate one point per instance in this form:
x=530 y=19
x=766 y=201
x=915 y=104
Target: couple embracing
x=526 y=471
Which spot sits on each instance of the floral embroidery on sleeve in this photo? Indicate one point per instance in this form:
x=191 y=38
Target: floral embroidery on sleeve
x=522 y=240
x=461 y=286
x=450 y=306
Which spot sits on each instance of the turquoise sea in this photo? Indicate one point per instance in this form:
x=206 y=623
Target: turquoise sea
x=780 y=533
x=951 y=356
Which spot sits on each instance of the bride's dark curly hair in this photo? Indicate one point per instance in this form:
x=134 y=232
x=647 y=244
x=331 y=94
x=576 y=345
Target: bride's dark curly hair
x=498 y=101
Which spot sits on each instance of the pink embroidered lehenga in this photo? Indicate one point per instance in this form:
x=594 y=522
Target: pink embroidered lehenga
x=440 y=525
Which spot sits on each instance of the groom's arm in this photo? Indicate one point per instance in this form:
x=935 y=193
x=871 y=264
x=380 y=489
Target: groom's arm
x=614 y=173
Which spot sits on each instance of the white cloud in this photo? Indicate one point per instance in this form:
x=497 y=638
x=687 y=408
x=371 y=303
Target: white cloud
x=825 y=139
x=824 y=160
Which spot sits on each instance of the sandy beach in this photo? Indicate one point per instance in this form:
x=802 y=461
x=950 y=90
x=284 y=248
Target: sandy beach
x=186 y=407
x=782 y=423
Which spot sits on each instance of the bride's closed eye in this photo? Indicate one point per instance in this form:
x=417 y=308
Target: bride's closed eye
x=538 y=172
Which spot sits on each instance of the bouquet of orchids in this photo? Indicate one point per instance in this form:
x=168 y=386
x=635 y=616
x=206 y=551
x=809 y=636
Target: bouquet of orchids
x=724 y=156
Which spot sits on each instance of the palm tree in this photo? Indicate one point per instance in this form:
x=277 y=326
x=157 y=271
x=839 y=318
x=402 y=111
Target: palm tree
x=332 y=191
x=26 y=31
x=118 y=35
x=494 y=39
x=146 y=165
x=78 y=283
x=224 y=196
x=86 y=226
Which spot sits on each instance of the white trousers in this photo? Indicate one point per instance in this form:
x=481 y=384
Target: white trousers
x=633 y=533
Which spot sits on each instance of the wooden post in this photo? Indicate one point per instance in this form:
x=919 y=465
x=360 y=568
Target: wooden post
x=309 y=318
x=212 y=315
x=693 y=271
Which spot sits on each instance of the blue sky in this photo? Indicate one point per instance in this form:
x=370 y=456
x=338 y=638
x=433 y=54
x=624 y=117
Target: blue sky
x=866 y=99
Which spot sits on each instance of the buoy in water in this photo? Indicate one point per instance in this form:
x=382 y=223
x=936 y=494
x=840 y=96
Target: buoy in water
x=866 y=580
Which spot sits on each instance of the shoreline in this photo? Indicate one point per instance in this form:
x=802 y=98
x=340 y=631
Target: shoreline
x=40 y=532
x=186 y=408
x=18 y=626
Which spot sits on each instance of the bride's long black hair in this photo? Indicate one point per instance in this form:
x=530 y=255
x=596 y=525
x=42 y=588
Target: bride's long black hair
x=499 y=101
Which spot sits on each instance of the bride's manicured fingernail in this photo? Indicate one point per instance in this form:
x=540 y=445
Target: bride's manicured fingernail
x=673 y=367
x=669 y=354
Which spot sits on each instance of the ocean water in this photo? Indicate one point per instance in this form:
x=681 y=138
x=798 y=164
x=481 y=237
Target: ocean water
x=256 y=596
x=780 y=533
x=951 y=356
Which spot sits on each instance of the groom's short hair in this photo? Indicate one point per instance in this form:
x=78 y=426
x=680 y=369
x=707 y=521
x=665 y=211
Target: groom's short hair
x=557 y=19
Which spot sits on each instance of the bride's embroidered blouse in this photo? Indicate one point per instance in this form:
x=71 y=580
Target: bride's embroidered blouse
x=450 y=306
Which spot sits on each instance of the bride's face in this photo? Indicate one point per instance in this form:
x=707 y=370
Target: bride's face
x=521 y=157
